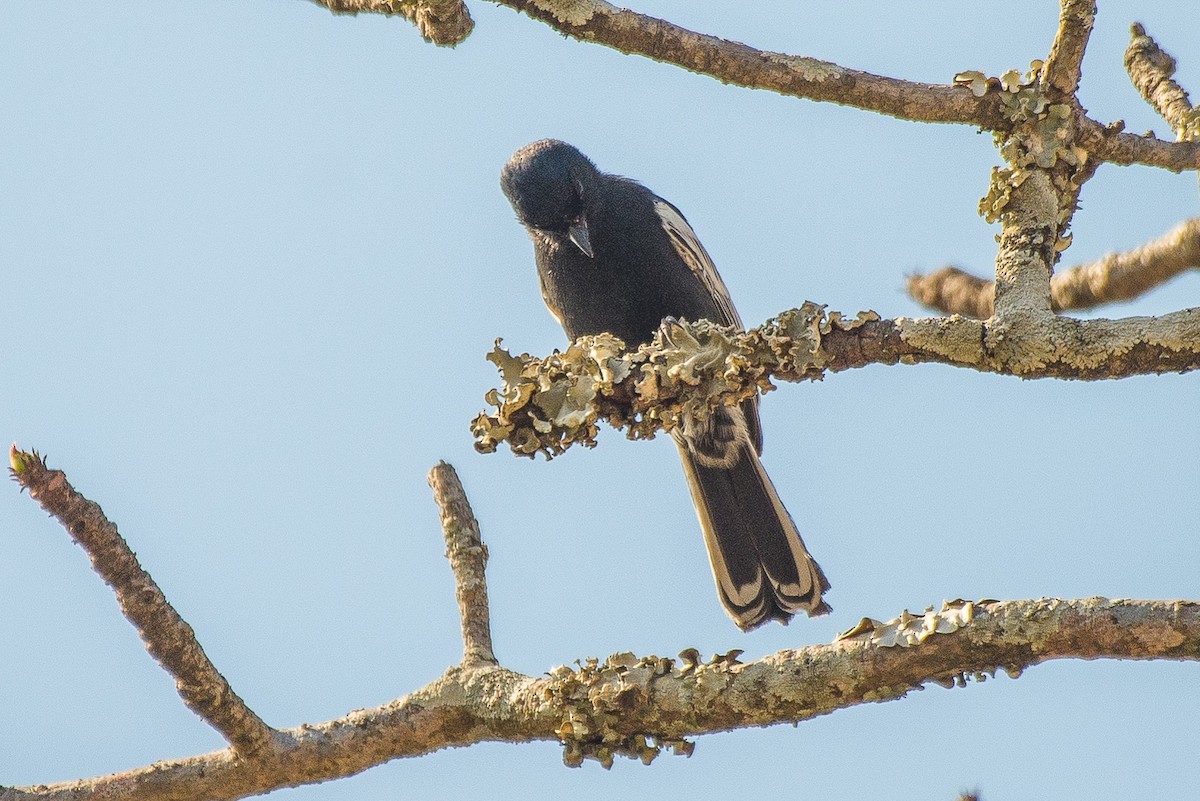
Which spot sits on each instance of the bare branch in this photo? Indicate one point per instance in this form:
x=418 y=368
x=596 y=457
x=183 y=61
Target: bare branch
x=169 y=639
x=1063 y=65
x=1117 y=276
x=1111 y=144
x=1150 y=68
x=468 y=559
x=742 y=65
x=1121 y=276
x=443 y=22
x=633 y=706
x=955 y=291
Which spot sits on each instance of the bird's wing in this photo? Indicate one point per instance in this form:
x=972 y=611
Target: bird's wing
x=688 y=246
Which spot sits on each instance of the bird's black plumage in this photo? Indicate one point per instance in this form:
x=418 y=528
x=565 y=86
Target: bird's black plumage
x=614 y=257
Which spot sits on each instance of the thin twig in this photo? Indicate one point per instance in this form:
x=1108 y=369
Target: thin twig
x=1108 y=143
x=1115 y=277
x=1063 y=66
x=1150 y=68
x=169 y=639
x=468 y=559
x=624 y=702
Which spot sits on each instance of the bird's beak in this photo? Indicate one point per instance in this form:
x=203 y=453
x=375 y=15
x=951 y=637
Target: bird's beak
x=579 y=235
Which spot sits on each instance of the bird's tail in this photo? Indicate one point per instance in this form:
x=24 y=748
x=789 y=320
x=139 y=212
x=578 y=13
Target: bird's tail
x=762 y=569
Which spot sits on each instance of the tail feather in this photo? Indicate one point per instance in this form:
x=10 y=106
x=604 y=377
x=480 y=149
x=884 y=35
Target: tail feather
x=762 y=569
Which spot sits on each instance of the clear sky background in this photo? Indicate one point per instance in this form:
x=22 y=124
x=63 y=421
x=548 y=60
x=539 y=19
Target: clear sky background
x=252 y=256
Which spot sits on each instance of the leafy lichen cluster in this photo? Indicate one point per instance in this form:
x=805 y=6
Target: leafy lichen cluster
x=1040 y=136
x=595 y=696
x=908 y=629
x=548 y=404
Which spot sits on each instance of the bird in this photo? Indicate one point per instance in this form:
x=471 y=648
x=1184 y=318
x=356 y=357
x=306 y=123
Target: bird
x=614 y=257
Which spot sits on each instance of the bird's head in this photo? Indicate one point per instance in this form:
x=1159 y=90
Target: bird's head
x=547 y=183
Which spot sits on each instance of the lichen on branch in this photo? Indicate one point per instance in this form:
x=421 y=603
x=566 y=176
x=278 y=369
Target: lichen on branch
x=1151 y=69
x=443 y=22
x=548 y=404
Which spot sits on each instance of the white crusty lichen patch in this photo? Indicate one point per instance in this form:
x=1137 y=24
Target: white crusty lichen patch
x=957 y=338
x=809 y=69
x=908 y=629
x=574 y=12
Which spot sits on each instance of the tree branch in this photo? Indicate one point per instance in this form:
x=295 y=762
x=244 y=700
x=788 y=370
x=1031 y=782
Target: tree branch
x=1109 y=143
x=447 y=22
x=1063 y=66
x=468 y=559
x=1116 y=277
x=739 y=64
x=548 y=404
x=634 y=706
x=630 y=706
x=1030 y=227
x=443 y=22
x=624 y=705
x=953 y=290
x=1150 y=68
x=169 y=639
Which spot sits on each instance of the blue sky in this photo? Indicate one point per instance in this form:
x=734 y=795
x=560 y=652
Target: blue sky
x=252 y=256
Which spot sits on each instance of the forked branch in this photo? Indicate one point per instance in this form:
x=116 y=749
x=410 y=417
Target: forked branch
x=624 y=705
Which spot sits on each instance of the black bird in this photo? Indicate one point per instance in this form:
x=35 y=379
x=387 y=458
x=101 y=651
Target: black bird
x=613 y=256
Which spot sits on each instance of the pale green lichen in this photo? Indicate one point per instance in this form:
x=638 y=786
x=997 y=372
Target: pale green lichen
x=1040 y=136
x=1000 y=189
x=909 y=630
x=836 y=319
x=548 y=404
x=592 y=699
x=974 y=80
x=957 y=338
